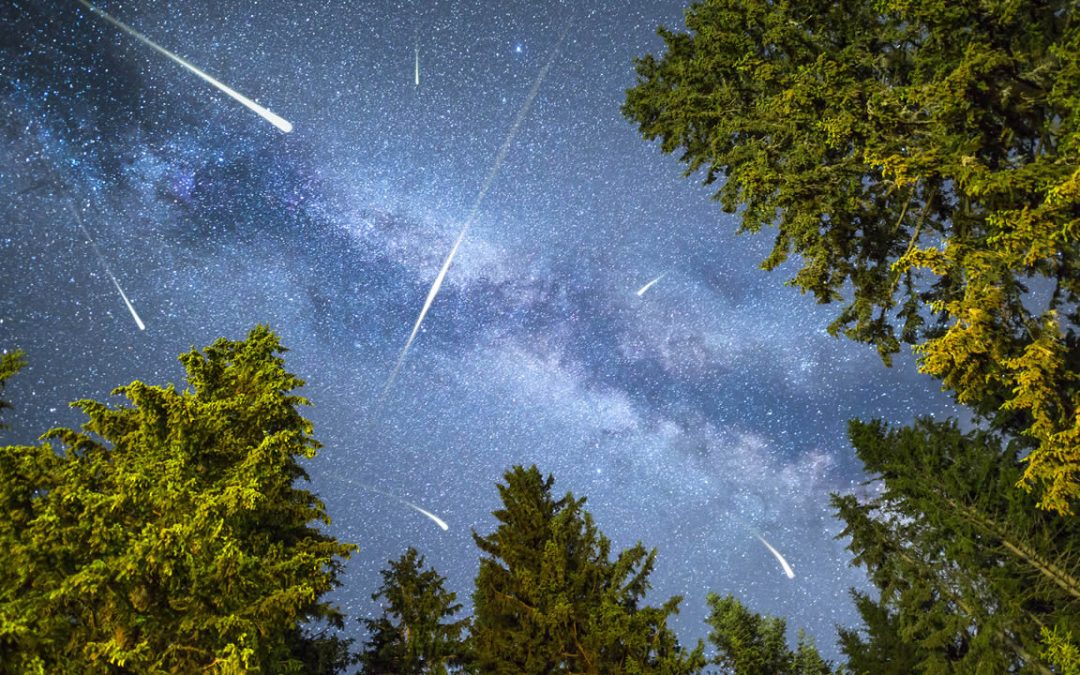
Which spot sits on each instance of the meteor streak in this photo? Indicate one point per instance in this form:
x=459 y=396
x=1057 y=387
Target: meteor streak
x=434 y=518
x=279 y=122
x=499 y=158
x=101 y=259
x=783 y=563
x=437 y=520
x=416 y=51
x=641 y=291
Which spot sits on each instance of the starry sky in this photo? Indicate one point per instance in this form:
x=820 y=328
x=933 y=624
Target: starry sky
x=709 y=408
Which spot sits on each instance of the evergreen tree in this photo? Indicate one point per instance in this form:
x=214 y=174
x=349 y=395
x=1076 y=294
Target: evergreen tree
x=10 y=363
x=410 y=637
x=922 y=160
x=877 y=648
x=968 y=571
x=750 y=644
x=549 y=599
x=168 y=534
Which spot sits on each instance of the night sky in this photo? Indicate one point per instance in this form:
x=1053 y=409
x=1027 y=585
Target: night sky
x=711 y=407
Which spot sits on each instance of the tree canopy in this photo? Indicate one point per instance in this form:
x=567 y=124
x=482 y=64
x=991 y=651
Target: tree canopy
x=549 y=599
x=411 y=636
x=751 y=644
x=921 y=159
x=10 y=364
x=968 y=571
x=168 y=534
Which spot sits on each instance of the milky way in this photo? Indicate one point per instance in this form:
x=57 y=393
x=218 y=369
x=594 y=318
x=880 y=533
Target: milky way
x=716 y=399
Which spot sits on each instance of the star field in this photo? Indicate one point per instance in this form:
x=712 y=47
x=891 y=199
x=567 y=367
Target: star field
x=709 y=408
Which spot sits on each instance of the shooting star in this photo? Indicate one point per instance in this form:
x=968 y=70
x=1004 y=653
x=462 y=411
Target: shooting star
x=101 y=259
x=499 y=158
x=279 y=122
x=434 y=518
x=416 y=52
x=437 y=520
x=641 y=291
x=783 y=563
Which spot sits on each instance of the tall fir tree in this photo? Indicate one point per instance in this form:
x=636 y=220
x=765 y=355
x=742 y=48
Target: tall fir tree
x=169 y=534
x=921 y=159
x=413 y=636
x=751 y=644
x=549 y=599
x=876 y=648
x=968 y=571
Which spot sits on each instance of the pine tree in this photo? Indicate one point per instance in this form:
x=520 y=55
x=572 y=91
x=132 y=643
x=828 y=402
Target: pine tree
x=921 y=159
x=10 y=364
x=877 y=648
x=410 y=638
x=549 y=599
x=968 y=571
x=751 y=644
x=169 y=534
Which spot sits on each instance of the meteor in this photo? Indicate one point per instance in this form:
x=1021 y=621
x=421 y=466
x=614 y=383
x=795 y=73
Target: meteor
x=641 y=291
x=101 y=259
x=434 y=518
x=783 y=563
x=499 y=158
x=416 y=51
x=279 y=122
x=437 y=520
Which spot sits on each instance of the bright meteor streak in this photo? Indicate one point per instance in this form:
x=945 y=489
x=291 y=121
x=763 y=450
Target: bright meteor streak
x=101 y=259
x=499 y=158
x=641 y=291
x=434 y=518
x=279 y=122
x=416 y=51
x=783 y=563
x=437 y=520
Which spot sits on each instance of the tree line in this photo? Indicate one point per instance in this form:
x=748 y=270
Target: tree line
x=172 y=534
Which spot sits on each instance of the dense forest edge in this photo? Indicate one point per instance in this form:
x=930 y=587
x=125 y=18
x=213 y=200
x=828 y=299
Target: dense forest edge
x=920 y=163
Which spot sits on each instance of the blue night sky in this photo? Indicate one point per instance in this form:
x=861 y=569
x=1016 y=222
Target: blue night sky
x=707 y=409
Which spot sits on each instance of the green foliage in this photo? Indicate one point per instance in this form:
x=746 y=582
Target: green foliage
x=1061 y=651
x=410 y=637
x=10 y=363
x=168 y=535
x=877 y=649
x=750 y=644
x=967 y=568
x=921 y=158
x=549 y=599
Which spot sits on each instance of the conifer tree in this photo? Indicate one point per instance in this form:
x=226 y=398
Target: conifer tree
x=967 y=570
x=549 y=599
x=921 y=159
x=877 y=647
x=169 y=534
x=10 y=364
x=751 y=644
x=411 y=637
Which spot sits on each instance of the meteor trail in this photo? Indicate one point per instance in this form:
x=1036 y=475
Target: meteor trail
x=499 y=158
x=416 y=51
x=783 y=563
x=641 y=291
x=434 y=518
x=101 y=259
x=279 y=122
x=438 y=521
